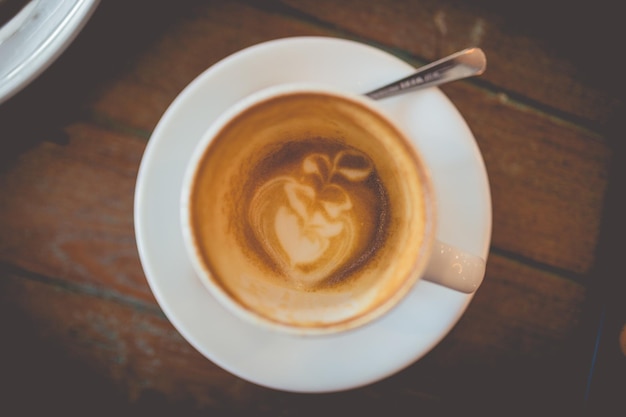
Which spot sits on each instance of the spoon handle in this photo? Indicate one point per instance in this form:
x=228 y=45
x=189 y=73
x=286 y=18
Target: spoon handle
x=462 y=64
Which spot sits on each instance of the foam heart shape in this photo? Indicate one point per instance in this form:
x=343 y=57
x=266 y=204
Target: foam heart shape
x=308 y=233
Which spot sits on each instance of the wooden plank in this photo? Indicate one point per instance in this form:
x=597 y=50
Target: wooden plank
x=74 y=202
x=119 y=353
x=518 y=347
x=517 y=141
x=538 y=51
x=519 y=312
x=548 y=179
x=71 y=212
x=67 y=210
x=207 y=33
x=73 y=351
x=81 y=326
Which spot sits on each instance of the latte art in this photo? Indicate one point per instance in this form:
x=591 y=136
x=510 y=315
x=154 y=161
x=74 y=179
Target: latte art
x=307 y=210
x=306 y=222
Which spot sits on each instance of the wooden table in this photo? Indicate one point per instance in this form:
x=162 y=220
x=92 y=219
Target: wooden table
x=81 y=331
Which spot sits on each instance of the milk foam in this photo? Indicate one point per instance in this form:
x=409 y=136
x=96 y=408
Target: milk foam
x=306 y=221
x=310 y=210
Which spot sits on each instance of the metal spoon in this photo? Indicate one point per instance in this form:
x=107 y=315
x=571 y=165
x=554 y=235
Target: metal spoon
x=463 y=64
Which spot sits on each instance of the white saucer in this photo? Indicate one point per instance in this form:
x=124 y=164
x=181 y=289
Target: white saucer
x=35 y=37
x=290 y=363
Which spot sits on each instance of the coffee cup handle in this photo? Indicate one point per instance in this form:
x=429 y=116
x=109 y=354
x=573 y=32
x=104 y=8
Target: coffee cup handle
x=455 y=268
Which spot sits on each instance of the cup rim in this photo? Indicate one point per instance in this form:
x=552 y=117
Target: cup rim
x=219 y=293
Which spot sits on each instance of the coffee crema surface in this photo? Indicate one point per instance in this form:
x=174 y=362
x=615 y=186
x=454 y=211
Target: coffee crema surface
x=309 y=209
x=315 y=212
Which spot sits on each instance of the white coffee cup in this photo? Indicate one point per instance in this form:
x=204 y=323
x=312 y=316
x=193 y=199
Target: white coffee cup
x=306 y=210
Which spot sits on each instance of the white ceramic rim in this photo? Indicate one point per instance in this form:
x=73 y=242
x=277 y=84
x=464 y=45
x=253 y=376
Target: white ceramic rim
x=42 y=39
x=365 y=355
x=217 y=291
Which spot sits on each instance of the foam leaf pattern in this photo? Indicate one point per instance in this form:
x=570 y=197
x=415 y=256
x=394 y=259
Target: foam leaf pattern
x=305 y=222
x=352 y=165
